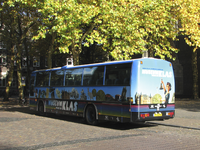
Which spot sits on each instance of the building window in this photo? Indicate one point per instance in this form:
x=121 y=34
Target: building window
x=15 y=63
x=24 y=62
x=14 y=82
x=46 y=63
x=36 y=62
x=2 y=82
x=2 y=59
x=1 y=45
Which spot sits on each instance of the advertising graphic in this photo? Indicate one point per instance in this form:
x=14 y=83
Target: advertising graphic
x=118 y=93
x=156 y=86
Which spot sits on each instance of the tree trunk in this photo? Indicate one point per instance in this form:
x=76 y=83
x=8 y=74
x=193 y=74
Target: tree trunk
x=49 y=59
x=19 y=69
x=10 y=60
x=150 y=53
x=195 y=75
x=27 y=67
x=10 y=74
x=107 y=55
x=77 y=50
x=75 y=54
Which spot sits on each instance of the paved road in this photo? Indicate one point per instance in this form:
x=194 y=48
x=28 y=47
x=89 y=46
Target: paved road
x=21 y=129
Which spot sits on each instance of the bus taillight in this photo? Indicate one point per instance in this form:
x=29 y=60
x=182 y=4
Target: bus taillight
x=144 y=115
x=169 y=114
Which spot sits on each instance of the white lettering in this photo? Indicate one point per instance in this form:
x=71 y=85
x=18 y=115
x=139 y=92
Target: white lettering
x=67 y=108
x=75 y=106
x=59 y=103
x=157 y=73
x=64 y=105
x=71 y=106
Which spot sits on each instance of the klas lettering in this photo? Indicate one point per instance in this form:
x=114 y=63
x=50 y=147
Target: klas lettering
x=64 y=105
x=157 y=73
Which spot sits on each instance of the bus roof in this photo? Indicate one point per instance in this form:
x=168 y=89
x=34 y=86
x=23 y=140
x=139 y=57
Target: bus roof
x=94 y=64
x=98 y=64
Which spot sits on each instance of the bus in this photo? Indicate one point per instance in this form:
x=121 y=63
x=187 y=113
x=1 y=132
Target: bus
x=136 y=90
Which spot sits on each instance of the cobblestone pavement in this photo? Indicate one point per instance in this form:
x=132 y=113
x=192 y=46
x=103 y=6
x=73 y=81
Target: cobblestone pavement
x=22 y=129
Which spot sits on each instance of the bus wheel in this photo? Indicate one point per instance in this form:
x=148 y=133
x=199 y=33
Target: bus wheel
x=41 y=108
x=91 y=115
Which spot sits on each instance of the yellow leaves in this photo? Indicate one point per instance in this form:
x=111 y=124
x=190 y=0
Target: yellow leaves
x=64 y=49
x=123 y=26
x=190 y=16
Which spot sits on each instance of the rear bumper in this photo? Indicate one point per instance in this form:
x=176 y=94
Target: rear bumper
x=152 y=116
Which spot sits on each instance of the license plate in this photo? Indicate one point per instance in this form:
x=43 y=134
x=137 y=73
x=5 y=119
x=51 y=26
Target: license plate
x=157 y=114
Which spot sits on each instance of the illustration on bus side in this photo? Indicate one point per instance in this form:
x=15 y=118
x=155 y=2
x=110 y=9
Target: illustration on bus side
x=80 y=93
x=160 y=87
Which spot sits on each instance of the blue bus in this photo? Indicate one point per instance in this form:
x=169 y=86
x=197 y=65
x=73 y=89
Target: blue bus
x=135 y=90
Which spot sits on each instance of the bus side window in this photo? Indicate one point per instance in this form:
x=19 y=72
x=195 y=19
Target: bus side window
x=118 y=74
x=109 y=82
x=99 y=81
x=118 y=82
x=42 y=79
x=73 y=77
x=85 y=81
x=57 y=78
x=93 y=76
x=127 y=81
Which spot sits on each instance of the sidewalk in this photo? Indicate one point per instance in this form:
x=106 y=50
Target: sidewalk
x=12 y=103
x=188 y=104
x=187 y=113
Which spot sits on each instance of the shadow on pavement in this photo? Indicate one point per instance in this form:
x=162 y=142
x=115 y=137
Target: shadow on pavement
x=174 y=126
x=12 y=106
x=188 y=104
x=102 y=124
x=22 y=109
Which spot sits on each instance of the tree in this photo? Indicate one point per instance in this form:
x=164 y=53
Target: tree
x=68 y=21
x=122 y=27
x=8 y=34
x=131 y=27
x=188 y=14
x=21 y=18
x=163 y=21
x=158 y=20
x=116 y=25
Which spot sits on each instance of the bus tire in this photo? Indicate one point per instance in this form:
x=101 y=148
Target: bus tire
x=91 y=115
x=41 y=108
